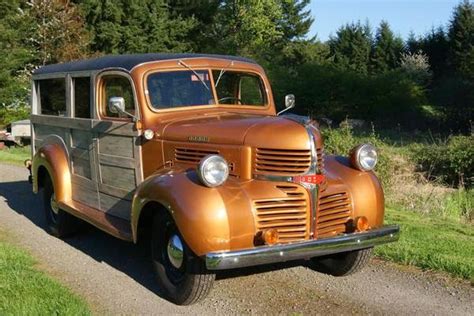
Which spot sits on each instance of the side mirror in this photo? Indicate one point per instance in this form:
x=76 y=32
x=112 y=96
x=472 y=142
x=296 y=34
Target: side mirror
x=289 y=103
x=117 y=105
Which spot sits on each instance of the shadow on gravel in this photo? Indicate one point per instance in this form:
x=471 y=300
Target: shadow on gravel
x=124 y=256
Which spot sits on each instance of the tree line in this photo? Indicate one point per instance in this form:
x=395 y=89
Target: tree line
x=423 y=82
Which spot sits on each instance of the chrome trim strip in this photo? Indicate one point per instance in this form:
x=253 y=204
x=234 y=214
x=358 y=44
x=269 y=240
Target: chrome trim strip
x=312 y=188
x=301 y=250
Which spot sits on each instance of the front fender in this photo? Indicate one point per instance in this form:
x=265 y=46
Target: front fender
x=364 y=188
x=53 y=156
x=209 y=219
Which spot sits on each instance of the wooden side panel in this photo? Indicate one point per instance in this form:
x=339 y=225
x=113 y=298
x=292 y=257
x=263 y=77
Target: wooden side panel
x=114 y=145
x=117 y=176
x=119 y=167
x=80 y=162
x=81 y=139
x=85 y=191
x=115 y=206
x=43 y=131
x=104 y=159
x=81 y=167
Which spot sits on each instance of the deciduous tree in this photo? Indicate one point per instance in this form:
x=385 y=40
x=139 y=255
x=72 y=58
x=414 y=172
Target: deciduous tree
x=57 y=31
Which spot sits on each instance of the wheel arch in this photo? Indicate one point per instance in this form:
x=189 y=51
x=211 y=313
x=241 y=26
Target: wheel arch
x=145 y=216
x=52 y=159
x=364 y=187
x=199 y=213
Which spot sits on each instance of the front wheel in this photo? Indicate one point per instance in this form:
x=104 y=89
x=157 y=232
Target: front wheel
x=180 y=274
x=342 y=264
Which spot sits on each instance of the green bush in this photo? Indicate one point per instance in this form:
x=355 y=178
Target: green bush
x=451 y=163
x=406 y=187
x=389 y=98
x=12 y=114
x=341 y=140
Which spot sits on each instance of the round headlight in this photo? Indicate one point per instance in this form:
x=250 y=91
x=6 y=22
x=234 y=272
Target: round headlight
x=213 y=170
x=364 y=157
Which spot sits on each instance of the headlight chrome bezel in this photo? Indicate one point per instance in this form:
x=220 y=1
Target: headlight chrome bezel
x=356 y=157
x=202 y=170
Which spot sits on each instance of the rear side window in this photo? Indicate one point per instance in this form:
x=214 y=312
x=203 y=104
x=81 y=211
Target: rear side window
x=53 y=96
x=82 y=97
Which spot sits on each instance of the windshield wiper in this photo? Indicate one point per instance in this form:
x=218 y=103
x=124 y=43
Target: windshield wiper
x=194 y=71
x=222 y=72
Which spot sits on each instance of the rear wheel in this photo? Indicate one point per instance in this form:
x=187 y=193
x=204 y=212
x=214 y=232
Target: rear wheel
x=181 y=275
x=58 y=222
x=342 y=264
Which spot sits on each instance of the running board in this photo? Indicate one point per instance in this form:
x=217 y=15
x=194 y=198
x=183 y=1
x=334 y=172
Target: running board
x=110 y=224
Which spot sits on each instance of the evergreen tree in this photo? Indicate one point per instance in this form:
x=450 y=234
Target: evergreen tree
x=435 y=45
x=134 y=26
x=387 y=49
x=293 y=47
x=203 y=13
x=461 y=40
x=296 y=19
x=413 y=43
x=351 y=47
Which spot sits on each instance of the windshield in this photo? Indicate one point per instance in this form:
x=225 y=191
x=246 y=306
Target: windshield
x=236 y=87
x=181 y=88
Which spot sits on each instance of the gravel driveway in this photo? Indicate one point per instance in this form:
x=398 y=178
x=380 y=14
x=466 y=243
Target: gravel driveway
x=115 y=277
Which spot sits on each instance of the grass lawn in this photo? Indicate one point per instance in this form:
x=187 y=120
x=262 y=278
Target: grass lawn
x=431 y=242
x=27 y=291
x=15 y=155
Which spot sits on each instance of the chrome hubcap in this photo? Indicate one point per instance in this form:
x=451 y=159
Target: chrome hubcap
x=54 y=204
x=175 y=251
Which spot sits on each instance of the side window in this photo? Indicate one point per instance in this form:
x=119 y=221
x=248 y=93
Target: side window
x=82 y=97
x=117 y=86
x=53 y=96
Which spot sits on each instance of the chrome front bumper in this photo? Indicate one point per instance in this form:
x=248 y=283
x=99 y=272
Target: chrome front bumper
x=301 y=250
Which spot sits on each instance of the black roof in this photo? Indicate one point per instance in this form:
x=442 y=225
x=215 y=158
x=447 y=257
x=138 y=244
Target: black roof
x=125 y=61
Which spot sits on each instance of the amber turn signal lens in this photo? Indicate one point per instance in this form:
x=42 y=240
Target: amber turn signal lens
x=270 y=236
x=361 y=223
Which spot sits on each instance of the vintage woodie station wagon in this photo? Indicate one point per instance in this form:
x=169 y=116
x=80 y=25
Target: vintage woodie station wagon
x=188 y=152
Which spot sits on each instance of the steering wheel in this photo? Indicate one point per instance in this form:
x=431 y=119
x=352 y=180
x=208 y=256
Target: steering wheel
x=230 y=98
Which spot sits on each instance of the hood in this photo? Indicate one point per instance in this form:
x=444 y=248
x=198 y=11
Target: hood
x=239 y=129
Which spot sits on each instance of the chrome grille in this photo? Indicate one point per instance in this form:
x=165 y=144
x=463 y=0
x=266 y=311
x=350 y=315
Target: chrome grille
x=334 y=212
x=281 y=161
x=289 y=215
x=194 y=156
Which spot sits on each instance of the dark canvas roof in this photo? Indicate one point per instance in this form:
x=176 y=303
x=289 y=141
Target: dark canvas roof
x=125 y=61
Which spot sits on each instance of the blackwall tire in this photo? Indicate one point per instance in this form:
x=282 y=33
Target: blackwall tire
x=184 y=285
x=342 y=264
x=58 y=222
